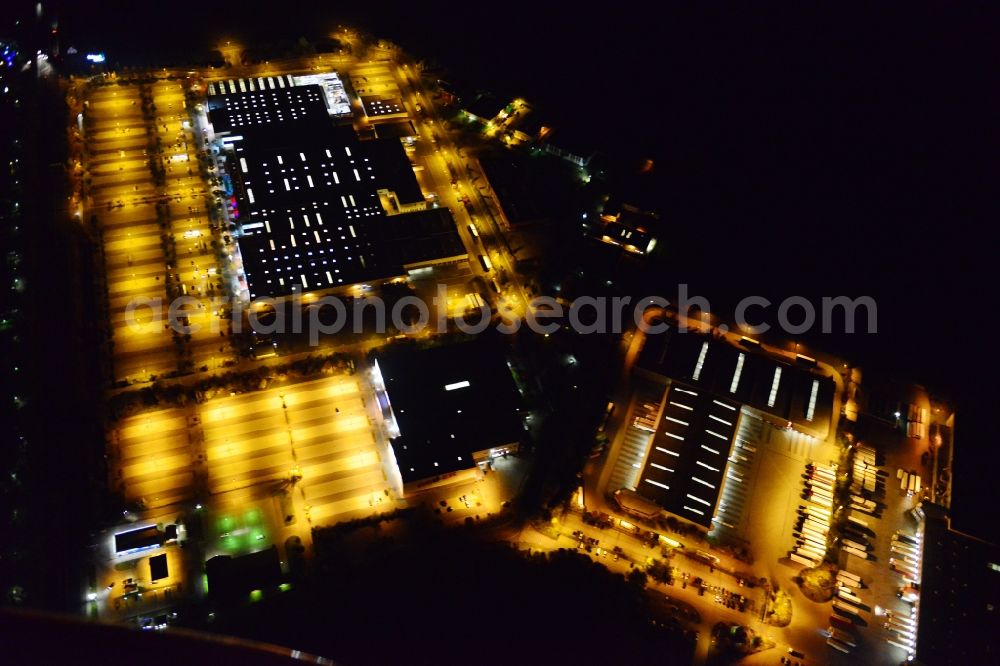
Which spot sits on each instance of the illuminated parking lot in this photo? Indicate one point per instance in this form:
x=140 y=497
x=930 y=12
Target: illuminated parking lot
x=154 y=456
x=197 y=269
x=124 y=202
x=317 y=431
x=135 y=216
x=231 y=461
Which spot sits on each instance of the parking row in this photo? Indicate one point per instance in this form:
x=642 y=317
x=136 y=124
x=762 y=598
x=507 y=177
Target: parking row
x=124 y=196
x=812 y=527
x=196 y=268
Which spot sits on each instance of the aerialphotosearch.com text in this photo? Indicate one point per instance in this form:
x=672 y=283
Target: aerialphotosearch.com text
x=326 y=315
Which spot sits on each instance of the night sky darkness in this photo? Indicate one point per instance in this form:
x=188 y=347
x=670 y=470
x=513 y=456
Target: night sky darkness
x=796 y=152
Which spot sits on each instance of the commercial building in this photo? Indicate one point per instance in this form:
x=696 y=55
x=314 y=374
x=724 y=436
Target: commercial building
x=403 y=129
x=513 y=186
x=628 y=227
x=484 y=107
x=688 y=453
x=572 y=146
x=377 y=108
x=144 y=538
x=449 y=409
x=338 y=103
x=783 y=392
x=678 y=451
x=231 y=578
x=959 y=595
x=317 y=209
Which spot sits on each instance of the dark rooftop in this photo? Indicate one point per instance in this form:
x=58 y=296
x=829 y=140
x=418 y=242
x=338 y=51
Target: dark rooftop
x=267 y=109
x=449 y=402
x=308 y=197
x=626 y=236
x=571 y=141
x=531 y=125
x=510 y=179
x=229 y=577
x=393 y=170
x=688 y=454
x=378 y=106
x=395 y=129
x=484 y=106
x=417 y=236
x=959 y=595
x=158 y=568
x=748 y=376
x=143 y=537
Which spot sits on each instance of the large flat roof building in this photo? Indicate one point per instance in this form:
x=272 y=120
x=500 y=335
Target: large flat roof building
x=686 y=418
x=317 y=208
x=449 y=408
x=337 y=101
x=382 y=107
x=688 y=454
x=789 y=392
x=959 y=595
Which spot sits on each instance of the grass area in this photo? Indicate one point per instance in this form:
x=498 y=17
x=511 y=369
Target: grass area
x=818 y=584
x=780 y=613
x=243 y=533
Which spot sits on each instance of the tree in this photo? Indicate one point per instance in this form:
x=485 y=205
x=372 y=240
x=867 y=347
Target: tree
x=637 y=578
x=660 y=572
